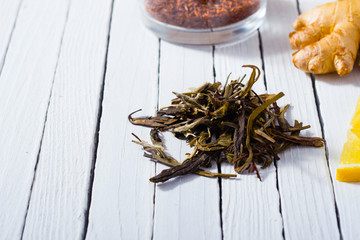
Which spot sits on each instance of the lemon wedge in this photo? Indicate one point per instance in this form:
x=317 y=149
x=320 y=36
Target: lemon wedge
x=349 y=167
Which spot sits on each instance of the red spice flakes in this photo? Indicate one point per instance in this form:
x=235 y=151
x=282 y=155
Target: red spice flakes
x=201 y=14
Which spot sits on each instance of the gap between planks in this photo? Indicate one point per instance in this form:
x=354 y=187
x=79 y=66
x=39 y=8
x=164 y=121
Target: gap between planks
x=275 y=163
x=45 y=120
x=96 y=137
x=317 y=102
x=321 y=121
x=218 y=164
x=155 y=165
x=261 y=49
x=276 y=167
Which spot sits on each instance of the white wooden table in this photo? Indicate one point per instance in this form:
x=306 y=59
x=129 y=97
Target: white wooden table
x=70 y=73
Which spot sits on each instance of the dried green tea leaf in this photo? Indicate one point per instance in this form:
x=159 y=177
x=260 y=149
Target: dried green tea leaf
x=158 y=154
x=230 y=123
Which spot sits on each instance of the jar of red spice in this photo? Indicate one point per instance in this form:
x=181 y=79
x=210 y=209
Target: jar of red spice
x=203 y=22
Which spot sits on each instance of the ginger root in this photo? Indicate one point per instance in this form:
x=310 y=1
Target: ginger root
x=327 y=37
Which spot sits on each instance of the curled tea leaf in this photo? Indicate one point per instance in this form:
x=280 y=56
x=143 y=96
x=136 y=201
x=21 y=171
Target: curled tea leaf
x=230 y=123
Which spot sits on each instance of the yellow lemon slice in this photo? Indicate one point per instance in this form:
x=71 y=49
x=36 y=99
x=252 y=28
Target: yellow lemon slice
x=349 y=167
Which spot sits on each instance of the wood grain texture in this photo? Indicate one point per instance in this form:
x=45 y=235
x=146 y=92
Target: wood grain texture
x=250 y=207
x=50 y=91
x=122 y=199
x=308 y=206
x=59 y=197
x=25 y=86
x=337 y=100
x=8 y=14
x=186 y=207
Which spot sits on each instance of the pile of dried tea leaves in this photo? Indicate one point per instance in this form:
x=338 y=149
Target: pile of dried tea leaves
x=230 y=123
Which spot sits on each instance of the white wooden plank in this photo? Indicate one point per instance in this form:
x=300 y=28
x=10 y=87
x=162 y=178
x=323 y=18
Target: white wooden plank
x=250 y=207
x=25 y=85
x=122 y=199
x=8 y=14
x=338 y=98
x=60 y=193
x=307 y=201
x=186 y=207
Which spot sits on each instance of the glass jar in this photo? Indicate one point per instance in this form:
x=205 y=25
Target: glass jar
x=203 y=22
